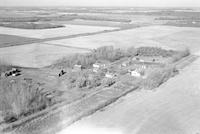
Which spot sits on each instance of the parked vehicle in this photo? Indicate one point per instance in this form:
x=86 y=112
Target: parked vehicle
x=13 y=72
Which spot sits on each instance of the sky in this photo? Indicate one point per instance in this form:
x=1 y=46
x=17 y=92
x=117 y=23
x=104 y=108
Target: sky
x=130 y=3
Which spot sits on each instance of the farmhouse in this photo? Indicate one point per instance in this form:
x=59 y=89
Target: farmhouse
x=97 y=66
x=134 y=73
x=110 y=75
x=137 y=71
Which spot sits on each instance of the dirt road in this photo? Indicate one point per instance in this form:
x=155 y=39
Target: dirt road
x=173 y=108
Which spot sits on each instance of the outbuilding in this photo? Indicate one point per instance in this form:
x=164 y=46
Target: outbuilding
x=110 y=75
x=134 y=73
x=98 y=66
x=77 y=68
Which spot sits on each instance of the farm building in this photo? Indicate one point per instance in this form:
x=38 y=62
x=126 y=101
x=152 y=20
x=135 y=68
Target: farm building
x=134 y=73
x=150 y=59
x=137 y=71
x=97 y=66
x=110 y=75
x=125 y=63
x=77 y=68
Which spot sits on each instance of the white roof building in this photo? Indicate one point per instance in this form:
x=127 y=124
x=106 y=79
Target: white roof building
x=134 y=73
x=110 y=75
x=97 y=66
x=77 y=68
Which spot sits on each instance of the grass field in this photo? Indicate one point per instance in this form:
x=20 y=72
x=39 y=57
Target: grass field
x=143 y=36
x=50 y=33
x=28 y=25
x=12 y=40
x=36 y=55
x=188 y=37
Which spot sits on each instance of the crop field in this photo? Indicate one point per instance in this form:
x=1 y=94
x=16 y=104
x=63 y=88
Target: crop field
x=51 y=33
x=144 y=36
x=12 y=40
x=36 y=55
x=188 y=37
x=93 y=23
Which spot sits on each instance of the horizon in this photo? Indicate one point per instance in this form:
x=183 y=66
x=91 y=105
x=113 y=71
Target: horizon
x=100 y=3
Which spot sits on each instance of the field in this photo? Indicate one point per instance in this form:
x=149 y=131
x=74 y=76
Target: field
x=25 y=25
x=12 y=40
x=36 y=55
x=188 y=37
x=51 y=33
x=161 y=36
x=43 y=54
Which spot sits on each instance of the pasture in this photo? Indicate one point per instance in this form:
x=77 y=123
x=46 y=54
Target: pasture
x=51 y=33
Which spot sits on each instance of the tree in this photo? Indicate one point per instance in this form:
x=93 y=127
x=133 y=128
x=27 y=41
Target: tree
x=131 y=51
x=107 y=82
x=94 y=80
x=19 y=97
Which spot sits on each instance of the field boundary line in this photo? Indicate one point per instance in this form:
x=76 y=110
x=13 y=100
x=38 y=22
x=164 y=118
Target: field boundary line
x=67 y=46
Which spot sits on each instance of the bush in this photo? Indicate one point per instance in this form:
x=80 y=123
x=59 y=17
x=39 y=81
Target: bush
x=83 y=79
x=180 y=55
x=132 y=51
x=4 y=66
x=94 y=80
x=106 y=53
x=159 y=76
x=107 y=82
x=85 y=60
x=109 y=53
x=20 y=98
x=81 y=82
x=154 y=51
